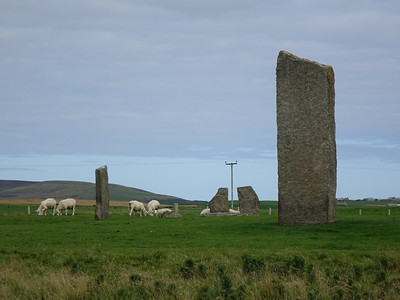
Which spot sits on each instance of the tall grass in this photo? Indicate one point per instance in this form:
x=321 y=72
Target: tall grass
x=175 y=276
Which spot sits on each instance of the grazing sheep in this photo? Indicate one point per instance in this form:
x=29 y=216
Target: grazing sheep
x=136 y=206
x=161 y=211
x=46 y=204
x=64 y=205
x=234 y=212
x=205 y=212
x=152 y=207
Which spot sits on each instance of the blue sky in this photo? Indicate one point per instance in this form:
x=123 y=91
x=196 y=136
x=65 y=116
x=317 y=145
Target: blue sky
x=164 y=92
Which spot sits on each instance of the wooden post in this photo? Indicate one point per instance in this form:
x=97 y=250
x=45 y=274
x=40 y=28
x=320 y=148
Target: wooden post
x=102 y=195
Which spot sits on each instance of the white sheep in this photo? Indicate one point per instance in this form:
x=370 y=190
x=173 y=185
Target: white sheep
x=161 y=211
x=234 y=212
x=64 y=205
x=136 y=206
x=205 y=212
x=46 y=204
x=152 y=207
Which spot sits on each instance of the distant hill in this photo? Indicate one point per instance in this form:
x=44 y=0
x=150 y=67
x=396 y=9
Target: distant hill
x=15 y=189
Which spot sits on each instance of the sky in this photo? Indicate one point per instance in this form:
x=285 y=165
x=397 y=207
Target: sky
x=164 y=92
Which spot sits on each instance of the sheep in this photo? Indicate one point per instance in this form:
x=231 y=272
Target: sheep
x=152 y=207
x=46 y=204
x=161 y=211
x=136 y=206
x=234 y=212
x=205 y=212
x=64 y=205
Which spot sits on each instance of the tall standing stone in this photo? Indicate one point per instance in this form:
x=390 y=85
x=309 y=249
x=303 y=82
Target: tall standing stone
x=249 y=203
x=102 y=195
x=306 y=141
x=219 y=203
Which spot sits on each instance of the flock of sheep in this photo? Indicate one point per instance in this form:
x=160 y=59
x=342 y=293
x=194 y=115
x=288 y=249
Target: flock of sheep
x=69 y=203
x=134 y=207
x=153 y=208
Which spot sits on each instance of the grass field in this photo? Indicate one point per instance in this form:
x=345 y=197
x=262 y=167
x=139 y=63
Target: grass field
x=77 y=257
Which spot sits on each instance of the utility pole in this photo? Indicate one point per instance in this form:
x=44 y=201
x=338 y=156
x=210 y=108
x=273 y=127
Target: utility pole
x=231 y=164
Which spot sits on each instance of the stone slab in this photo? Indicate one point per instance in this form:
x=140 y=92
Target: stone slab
x=306 y=141
x=249 y=203
x=219 y=203
x=102 y=194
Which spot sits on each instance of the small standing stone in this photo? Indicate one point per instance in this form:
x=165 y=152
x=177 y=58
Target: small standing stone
x=219 y=203
x=102 y=194
x=248 y=201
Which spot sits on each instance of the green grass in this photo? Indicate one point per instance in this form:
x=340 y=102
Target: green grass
x=252 y=257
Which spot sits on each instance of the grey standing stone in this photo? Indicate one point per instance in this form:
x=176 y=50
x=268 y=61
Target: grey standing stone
x=249 y=203
x=306 y=141
x=102 y=194
x=219 y=203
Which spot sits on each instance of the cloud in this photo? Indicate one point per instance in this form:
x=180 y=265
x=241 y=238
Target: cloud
x=12 y=169
x=121 y=82
x=357 y=149
x=155 y=78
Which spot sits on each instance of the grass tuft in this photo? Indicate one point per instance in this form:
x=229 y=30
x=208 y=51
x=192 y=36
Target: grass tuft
x=253 y=265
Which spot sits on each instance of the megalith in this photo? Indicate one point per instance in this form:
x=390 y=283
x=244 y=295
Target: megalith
x=306 y=141
x=249 y=203
x=102 y=194
x=219 y=203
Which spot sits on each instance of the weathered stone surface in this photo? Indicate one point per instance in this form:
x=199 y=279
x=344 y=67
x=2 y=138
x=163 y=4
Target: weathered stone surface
x=102 y=194
x=171 y=214
x=306 y=141
x=219 y=203
x=249 y=203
